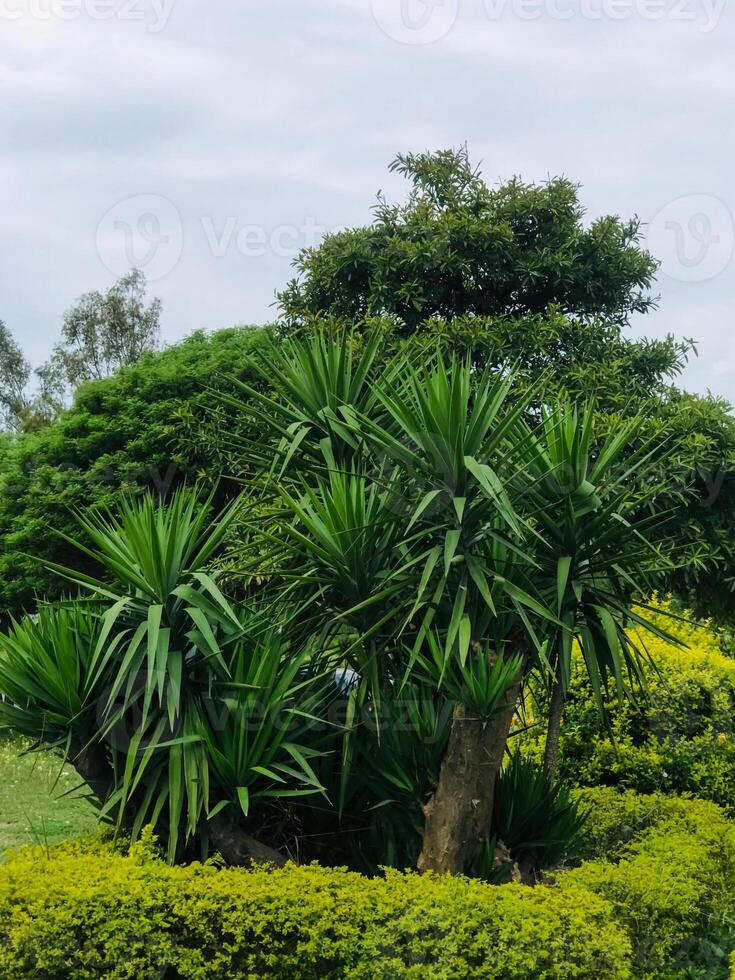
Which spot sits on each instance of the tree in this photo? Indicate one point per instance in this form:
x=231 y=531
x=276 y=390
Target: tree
x=19 y=410
x=119 y=436
x=103 y=333
x=513 y=276
x=15 y=372
x=457 y=247
x=414 y=529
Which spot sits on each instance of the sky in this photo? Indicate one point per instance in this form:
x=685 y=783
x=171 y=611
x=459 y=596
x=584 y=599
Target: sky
x=206 y=141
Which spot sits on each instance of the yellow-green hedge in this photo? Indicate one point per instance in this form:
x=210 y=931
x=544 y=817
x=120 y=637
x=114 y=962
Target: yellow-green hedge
x=91 y=913
x=672 y=885
x=679 y=738
x=659 y=909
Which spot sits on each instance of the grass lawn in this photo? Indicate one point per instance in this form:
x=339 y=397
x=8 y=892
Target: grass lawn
x=33 y=808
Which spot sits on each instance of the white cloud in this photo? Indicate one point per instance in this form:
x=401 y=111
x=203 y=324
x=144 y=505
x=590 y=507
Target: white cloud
x=273 y=112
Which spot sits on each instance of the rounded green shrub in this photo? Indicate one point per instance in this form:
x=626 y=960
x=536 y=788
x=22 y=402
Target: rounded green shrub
x=81 y=913
x=143 y=428
x=671 y=879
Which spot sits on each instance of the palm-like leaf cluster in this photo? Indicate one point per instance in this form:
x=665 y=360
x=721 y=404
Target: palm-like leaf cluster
x=194 y=706
x=422 y=542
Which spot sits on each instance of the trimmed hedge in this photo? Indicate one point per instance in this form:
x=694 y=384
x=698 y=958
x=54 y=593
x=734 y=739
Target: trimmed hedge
x=673 y=887
x=86 y=913
x=662 y=909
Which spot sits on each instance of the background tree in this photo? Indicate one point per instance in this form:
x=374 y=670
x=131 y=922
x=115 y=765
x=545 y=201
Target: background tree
x=15 y=372
x=152 y=425
x=457 y=247
x=103 y=333
x=514 y=275
x=20 y=410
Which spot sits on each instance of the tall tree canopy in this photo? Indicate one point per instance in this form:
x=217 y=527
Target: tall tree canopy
x=457 y=247
x=515 y=275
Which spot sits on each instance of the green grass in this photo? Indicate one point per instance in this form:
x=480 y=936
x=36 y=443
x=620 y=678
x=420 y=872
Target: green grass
x=33 y=807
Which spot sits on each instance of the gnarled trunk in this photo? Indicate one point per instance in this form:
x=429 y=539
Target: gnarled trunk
x=239 y=848
x=91 y=763
x=459 y=814
x=553 y=728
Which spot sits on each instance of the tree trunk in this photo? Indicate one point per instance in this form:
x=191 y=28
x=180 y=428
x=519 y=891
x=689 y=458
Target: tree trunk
x=239 y=848
x=553 y=729
x=91 y=763
x=459 y=814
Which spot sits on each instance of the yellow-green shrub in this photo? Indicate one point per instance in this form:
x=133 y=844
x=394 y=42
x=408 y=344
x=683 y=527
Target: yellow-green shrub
x=76 y=914
x=661 y=909
x=618 y=816
x=679 y=737
x=673 y=887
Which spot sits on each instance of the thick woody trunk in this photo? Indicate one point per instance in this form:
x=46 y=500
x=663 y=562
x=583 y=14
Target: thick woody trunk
x=459 y=813
x=92 y=765
x=553 y=729
x=239 y=848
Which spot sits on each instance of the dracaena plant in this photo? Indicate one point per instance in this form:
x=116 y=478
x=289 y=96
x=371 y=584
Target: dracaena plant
x=177 y=708
x=465 y=589
x=415 y=555
x=595 y=518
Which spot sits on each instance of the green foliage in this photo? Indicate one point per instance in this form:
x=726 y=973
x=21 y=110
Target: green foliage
x=47 y=676
x=677 y=736
x=512 y=276
x=85 y=914
x=658 y=910
x=671 y=887
x=389 y=765
x=457 y=247
x=121 y=435
x=616 y=817
x=187 y=706
x=20 y=411
x=534 y=817
x=434 y=512
x=103 y=333
x=590 y=501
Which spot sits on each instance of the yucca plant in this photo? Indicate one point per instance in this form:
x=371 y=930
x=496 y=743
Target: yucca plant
x=381 y=780
x=591 y=503
x=50 y=687
x=534 y=816
x=465 y=588
x=190 y=708
x=419 y=540
x=313 y=380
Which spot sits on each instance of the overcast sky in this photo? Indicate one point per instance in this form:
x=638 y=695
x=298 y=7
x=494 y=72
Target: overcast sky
x=206 y=140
